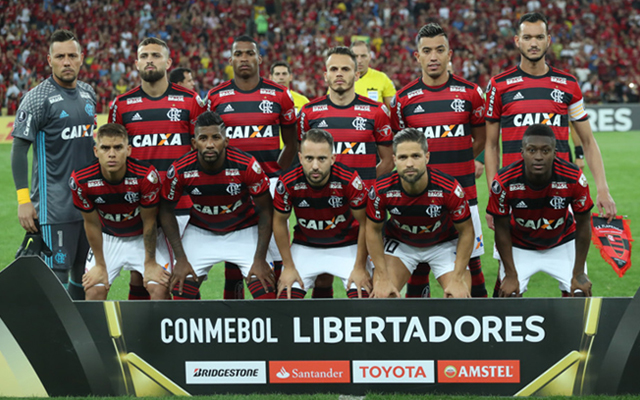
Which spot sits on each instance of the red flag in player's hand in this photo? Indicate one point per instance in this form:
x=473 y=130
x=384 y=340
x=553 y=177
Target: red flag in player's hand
x=614 y=241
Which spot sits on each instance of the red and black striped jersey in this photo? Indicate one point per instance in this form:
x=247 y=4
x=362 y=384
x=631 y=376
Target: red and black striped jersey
x=222 y=201
x=445 y=114
x=540 y=218
x=324 y=217
x=118 y=204
x=422 y=220
x=253 y=118
x=518 y=100
x=160 y=128
x=357 y=129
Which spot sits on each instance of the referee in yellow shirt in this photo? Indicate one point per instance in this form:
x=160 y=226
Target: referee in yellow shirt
x=373 y=84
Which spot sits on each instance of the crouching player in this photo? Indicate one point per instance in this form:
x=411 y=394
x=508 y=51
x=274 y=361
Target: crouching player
x=231 y=215
x=329 y=200
x=118 y=197
x=531 y=201
x=429 y=222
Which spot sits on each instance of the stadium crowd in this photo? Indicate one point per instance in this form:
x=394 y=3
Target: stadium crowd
x=596 y=41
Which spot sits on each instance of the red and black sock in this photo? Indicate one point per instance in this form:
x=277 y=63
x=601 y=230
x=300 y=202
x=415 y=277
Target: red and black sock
x=233 y=282
x=258 y=292
x=478 y=288
x=353 y=294
x=190 y=291
x=418 y=285
x=138 y=293
x=295 y=294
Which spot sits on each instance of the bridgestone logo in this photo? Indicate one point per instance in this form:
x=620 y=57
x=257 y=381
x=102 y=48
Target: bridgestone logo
x=226 y=372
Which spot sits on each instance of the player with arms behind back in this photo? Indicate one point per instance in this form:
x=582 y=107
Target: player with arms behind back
x=541 y=210
x=118 y=197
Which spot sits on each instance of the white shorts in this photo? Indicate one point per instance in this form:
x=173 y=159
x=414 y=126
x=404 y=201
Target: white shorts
x=273 y=252
x=120 y=253
x=478 y=243
x=204 y=248
x=441 y=257
x=556 y=262
x=313 y=261
x=164 y=253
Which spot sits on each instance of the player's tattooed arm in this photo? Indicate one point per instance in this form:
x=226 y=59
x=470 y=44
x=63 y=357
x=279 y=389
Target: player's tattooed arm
x=281 y=235
x=510 y=285
x=360 y=276
x=580 y=280
x=93 y=229
x=290 y=145
x=260 y=268
x=169 y=224
x=152 y=270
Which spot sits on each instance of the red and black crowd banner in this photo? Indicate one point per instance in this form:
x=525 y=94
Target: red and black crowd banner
x=614 y=241
x=52 y=346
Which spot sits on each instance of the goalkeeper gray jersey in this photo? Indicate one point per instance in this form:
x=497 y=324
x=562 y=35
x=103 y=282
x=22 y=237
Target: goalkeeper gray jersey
x=59 y=122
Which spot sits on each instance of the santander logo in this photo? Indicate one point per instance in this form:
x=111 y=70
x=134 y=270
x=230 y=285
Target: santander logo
x=309 y=372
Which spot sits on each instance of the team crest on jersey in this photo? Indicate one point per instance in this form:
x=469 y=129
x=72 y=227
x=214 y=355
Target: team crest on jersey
x=132 y=197
x=392 y=193
x=433 y=210
x=559 y=185
x=256 y=167
x=223 y=93
x=457 y=105
x=270 y=92
x=359 y=123
x=90 y=109
x=458 y=89
x=191 y=174
x=557 y=95
x=335 y=201
x=322 y=107
x=153 y=177
x=134 y=100
x=174 y=114
x=435 y=193
x=459 y=192
x=557 y=202
x=517 y=79
x=583 y=180
x=132 y=181
x=495 y=187
x=95 y=183
x=556 y=79
x=266 y=106
x=357 y=183
x=414 y=93
x=55 y=99
x=175 y=98
x=300 y=186
x=232 y=172
x=515 y=186
x=362 y=108
x=234 y=189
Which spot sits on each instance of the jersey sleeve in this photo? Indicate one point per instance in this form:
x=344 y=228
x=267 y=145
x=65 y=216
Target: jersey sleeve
x=173 y=185
x=382 y=131
x=493 y=107
x=150 y=187
x=114 y=115
x=397 y=119
x=211 y=101
x=582 y=201
x=376 y=205
x=356 y=192
x=477 y=105
x=282 y=198
x=31 y=115
x=576 y=108
x=287 y=109
x=256 y=179
x=79 y=194
x=498 y=205
x=303 y=122
x=388 y=89
x=457 y=204
x=197 y=108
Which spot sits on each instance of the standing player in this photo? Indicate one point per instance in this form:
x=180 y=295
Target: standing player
x=280 y=73
x=534 y=92
x=429 y=221
x=373 y=84
x=329 y=200
x=58 y=116
x=159 y=118
x=182 y=77
x=257 y=113
x=231 y=217
x=360 y=127
x=532 y=202
x=118 y=197
x=449 y=111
